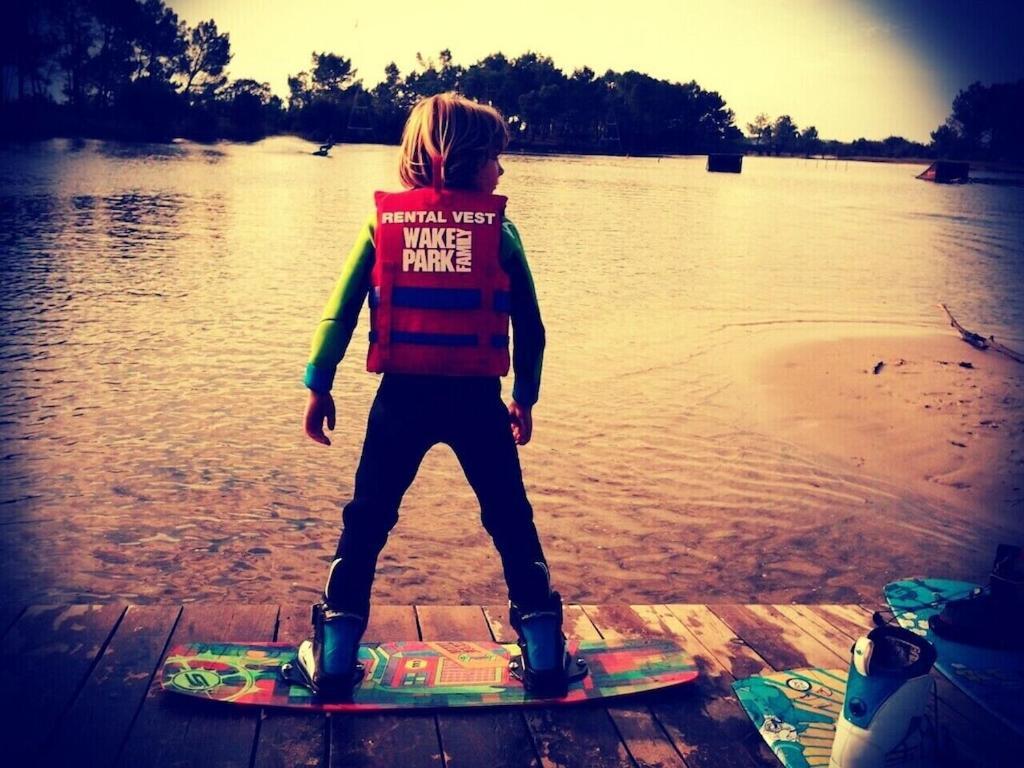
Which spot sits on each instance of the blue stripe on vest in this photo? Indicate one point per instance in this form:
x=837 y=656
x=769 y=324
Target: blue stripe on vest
x=374 y=296
x=502 y=302
x=498 y=341
x=374 y=336
x=436 y=298
x=434 y=339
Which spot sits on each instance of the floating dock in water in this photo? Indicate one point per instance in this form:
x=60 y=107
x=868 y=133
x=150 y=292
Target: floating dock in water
x=947 y=172
x=82 y=689
x=725 y=163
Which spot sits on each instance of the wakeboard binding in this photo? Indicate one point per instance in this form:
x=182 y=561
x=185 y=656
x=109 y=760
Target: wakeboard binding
x=990 y=617
x=884 y=719
x=328 y=664
x=544 y=666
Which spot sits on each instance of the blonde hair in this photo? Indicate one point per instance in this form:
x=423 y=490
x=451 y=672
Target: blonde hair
x=460 y=132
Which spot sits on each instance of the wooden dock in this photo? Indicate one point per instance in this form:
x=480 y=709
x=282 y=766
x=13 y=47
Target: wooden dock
x=80 y=688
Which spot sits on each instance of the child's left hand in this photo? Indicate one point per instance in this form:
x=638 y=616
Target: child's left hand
x=521 y=417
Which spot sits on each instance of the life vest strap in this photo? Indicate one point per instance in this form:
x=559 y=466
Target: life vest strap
x=441 y=298
x=430 y=339
x=436 y=298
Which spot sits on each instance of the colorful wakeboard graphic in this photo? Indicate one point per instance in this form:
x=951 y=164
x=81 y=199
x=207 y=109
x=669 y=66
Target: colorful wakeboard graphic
x=795 y=712
x=993 y=678
x=414 y=675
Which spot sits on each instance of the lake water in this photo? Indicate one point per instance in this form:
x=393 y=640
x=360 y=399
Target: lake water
x=158 y=303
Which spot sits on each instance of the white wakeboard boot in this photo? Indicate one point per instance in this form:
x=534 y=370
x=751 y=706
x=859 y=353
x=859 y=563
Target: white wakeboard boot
x=883 y=722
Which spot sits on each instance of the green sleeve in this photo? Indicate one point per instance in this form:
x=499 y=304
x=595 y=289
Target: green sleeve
x=338 y=320
x=527 y=327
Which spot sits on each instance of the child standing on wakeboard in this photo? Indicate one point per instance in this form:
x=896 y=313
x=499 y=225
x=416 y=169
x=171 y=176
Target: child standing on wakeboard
x=444 y=273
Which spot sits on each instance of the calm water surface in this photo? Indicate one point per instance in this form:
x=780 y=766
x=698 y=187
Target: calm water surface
x=158 y=302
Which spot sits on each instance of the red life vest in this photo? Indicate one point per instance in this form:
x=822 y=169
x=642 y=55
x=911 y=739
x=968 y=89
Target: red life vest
x=439 y=298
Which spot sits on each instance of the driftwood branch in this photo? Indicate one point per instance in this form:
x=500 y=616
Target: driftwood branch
x=978 y=341
x=1005 y=350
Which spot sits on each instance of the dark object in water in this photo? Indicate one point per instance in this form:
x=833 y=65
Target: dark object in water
x=978 y=341
x=947 y=172
x=725 y=163
x=324 y=148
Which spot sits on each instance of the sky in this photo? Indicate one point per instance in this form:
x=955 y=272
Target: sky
x=851 y=68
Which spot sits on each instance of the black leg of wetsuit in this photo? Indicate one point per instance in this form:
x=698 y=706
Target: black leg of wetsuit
x=396 y=442
x=409 y=415
x=485 y=448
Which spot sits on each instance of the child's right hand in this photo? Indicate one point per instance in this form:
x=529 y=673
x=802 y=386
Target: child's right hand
x=319 y=407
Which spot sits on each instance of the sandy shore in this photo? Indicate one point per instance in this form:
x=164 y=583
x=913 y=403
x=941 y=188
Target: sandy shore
x=926 y=413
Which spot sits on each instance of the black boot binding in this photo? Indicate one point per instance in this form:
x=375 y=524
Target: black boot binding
x=329 y=663
x=991 y=616
x=544 y=666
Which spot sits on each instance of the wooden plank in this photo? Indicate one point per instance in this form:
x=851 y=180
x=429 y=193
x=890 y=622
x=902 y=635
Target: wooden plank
x=566 y=737
x=721 y=643
x=821 y=628
x=179 y=731
x=497 y=621
x=776 y=638
x=99 y=721
x=47 y=656
x=292 y=739
x=967 y=733
x=851 y=620
x=470 y=738
x=386 y=739
x=638 y=722
x=736 y=660
x=703 y=719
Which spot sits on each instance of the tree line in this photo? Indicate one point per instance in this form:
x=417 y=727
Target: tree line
x=546 y=109
x=782 y=136
x=126 y=69
x=987 y=123
x=130 y=69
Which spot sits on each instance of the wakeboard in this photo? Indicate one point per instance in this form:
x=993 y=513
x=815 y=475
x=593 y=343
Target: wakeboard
x=993 y=678
x=795 y=712
x=421 y=675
